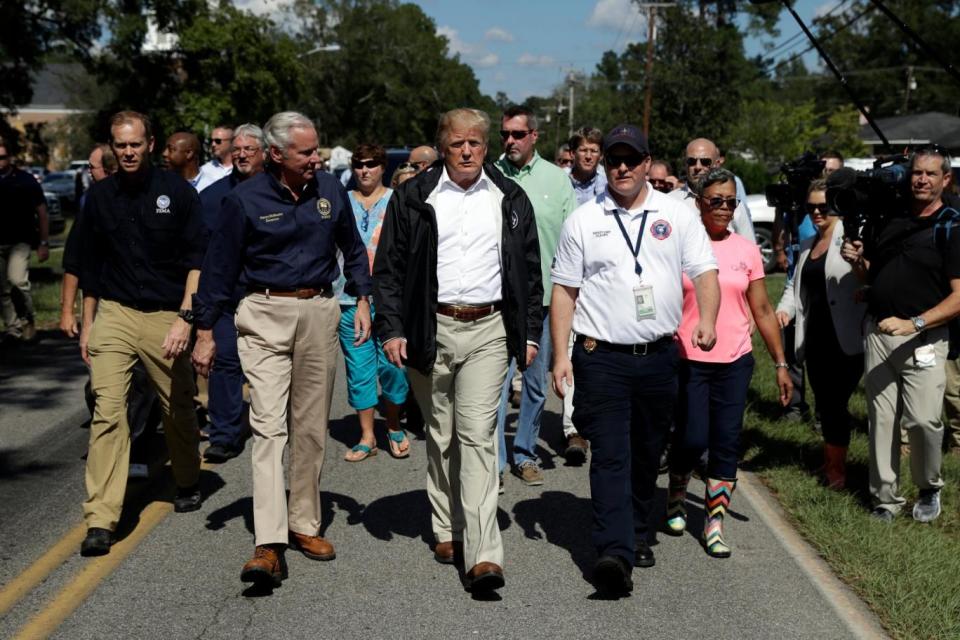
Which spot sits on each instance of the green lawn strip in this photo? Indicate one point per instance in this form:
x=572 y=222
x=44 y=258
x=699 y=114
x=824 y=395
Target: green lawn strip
x=908 y=573
x=45 y=284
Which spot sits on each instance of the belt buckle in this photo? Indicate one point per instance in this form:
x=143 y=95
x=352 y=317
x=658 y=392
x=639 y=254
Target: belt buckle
x=637 y=349
x=589 y=345
x=456 y=312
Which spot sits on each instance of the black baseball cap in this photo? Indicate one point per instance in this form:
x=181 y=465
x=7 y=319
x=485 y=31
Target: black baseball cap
x=629 y=135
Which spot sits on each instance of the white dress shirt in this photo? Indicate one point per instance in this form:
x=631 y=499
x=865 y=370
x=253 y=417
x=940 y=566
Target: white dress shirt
x=469 y=223
x=210 y=172
x=593 y=256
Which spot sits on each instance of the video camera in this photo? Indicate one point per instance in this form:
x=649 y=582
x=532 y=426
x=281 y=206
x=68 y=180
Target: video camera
x=789 y=196
x=857 y=196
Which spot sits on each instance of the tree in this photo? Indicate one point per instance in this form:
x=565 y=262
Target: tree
x=774 y=132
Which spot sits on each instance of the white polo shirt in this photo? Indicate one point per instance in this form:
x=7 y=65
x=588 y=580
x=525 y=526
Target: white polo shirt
x=593 y=256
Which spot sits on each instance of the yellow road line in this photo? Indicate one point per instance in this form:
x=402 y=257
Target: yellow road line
x=85 y=583
x=37 y=572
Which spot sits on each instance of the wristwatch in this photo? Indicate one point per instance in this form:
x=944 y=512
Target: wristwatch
x=44 y=243
x=186 y=315
x=918 y=323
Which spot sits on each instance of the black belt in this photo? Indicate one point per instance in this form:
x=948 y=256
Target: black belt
x=592 y=344
x=146 y=306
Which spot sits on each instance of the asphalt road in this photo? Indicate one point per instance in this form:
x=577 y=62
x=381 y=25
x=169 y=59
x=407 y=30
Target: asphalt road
x=180 y=579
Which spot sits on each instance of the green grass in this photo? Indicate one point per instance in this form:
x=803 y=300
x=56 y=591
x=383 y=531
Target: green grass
x=45 y=283
x=908 y=573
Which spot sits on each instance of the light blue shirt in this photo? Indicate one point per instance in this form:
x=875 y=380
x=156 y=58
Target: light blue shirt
x=369 y=223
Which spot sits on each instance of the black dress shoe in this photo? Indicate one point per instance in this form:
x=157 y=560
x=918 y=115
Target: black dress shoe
x=97 y=542
x=219 y=453
x=187 y=499
x=611 y=575
x=643 y=555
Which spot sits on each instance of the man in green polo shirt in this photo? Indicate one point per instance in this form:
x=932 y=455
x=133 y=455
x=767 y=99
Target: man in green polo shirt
x=548 y=188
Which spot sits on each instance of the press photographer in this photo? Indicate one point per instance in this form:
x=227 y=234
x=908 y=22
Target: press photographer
x=910 y=260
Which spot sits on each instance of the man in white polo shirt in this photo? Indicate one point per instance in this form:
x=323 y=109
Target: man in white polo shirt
x=617 y=283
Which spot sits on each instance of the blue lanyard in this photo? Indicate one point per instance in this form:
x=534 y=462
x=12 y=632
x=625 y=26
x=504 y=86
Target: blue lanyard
x=634 y=250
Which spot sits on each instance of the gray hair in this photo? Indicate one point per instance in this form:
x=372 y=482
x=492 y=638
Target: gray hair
x=249 y=130
x=276 y=132
x=716 y=175
x=933 y=151
x=467 y=118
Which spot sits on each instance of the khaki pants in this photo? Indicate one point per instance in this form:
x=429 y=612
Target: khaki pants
x=120 y=336
x=900 y=392
x=951 y=404
x=15 y=274
x=459 y=401
x=288 y=350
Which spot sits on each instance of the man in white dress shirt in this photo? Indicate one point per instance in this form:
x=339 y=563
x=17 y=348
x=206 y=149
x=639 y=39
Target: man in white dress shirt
x=221 y=163
x=458 y=292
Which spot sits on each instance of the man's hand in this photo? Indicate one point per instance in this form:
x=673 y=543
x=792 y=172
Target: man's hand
x=562 y=373
x=783 y=319
x=68 y=323
x=396 y=351
x=84 y=341
x=177 y=339
x=786 y=386
x=782 y=262
x=204 y=352
x=531 y=353
x=896 y=327
x=704 y=336
x=852 y=252
x=362 y=326
x=43 y=253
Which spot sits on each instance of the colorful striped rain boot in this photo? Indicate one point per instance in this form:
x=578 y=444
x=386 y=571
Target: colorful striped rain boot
x=677 y=504
x=716 y=501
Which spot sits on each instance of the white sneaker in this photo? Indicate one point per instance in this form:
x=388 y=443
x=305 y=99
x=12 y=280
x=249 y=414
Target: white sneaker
x=138 y=471
x=927 y=508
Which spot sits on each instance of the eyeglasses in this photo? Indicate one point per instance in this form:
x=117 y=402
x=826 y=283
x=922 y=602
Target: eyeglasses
x=246 y=150
x=819 y=207
x=369 y=164
x=632 y=160
x=565 y=162
x=718 y=203
x=407 y=166
x=516 y=135
x=704 y=162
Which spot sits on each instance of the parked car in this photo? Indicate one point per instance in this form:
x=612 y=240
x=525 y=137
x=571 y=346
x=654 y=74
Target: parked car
x=762 y=215
x=36 y=171
x=55 y=220
x=64 y=185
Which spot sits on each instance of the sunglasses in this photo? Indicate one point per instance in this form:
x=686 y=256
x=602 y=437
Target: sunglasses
x=516 y=135
x=820 y=208
x=632 y=160
x=565 y=162
x=369 y=164
x=407 y=166
x=4 y=157
x=704 y=162
x=217 y=140
x=718 y=202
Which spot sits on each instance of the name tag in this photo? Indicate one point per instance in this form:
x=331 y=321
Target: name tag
x=643 y=300
x=271 y=217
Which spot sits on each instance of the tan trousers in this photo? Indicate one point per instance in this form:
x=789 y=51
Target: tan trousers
x=288 y=351
x=15 y=274
x=901 y=393
x=119 y=337
x=951 y=404
x=459 y=402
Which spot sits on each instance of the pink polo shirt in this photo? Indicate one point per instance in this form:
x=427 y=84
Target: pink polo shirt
x=739 y=263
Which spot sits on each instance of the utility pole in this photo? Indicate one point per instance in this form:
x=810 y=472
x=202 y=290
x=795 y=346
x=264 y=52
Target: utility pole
x=911 y=87
x=571 y=78
x=651 y=8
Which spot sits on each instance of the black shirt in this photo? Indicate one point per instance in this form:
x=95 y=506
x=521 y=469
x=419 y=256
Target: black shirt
x=20 y=195
x=909 y=272
x=814 y=283
x=139 y=240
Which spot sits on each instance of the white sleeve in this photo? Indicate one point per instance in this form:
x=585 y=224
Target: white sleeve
x=697 y=255
x=742 y=223
x=567 y=268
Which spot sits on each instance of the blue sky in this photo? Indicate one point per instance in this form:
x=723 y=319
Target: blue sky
x=527 y=47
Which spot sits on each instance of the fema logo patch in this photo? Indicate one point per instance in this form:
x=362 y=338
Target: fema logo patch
x=324 y=208
x=163 y=204
x=661 y=229
x=514 y=220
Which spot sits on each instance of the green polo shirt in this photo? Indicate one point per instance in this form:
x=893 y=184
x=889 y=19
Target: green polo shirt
x=548 y=187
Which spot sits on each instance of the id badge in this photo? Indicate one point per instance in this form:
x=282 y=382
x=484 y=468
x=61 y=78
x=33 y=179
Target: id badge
x=643 y=299
x=925 y=357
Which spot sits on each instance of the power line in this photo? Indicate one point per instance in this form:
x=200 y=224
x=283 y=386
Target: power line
x=826 y=37
x=793 y=40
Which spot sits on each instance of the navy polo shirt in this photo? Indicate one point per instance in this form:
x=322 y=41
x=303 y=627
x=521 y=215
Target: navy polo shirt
x=140 y=239
x=272 y=241
x=20 y=196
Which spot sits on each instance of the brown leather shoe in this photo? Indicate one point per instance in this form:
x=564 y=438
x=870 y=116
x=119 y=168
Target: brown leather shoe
x=314 y=547
x=576 y=451
x=485 y=576
x=446 y=552
x=267 y=568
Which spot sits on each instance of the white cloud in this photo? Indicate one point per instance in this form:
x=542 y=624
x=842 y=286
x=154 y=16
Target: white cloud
x=530 y=60
x=473 y=54
x=498 y=34
x=612 y=14
x=825 y=8
x=487 y=60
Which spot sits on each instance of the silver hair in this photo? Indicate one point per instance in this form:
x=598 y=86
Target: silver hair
x=466 y=118
x=276 y=132
x=249 y=130
x=933 y=150
x=716 y=175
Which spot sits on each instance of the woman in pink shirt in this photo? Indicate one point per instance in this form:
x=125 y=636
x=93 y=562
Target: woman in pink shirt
x=713 y=384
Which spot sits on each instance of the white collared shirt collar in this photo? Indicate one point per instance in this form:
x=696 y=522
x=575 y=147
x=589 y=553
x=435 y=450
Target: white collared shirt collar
x=649 y=202
x=446 y=182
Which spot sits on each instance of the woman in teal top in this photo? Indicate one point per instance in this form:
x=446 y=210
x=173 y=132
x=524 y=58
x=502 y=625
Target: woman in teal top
x=366 y=363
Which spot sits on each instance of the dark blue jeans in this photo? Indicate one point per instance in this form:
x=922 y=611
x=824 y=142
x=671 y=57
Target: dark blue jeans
x=713 y=397
x=624 y=405
x=225 y=392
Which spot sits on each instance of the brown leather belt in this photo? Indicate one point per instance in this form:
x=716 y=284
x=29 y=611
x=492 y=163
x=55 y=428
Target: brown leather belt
x=301 y=294
x=467 y=312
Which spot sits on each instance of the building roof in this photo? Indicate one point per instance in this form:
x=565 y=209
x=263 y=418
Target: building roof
x=54 y=87
x=917 y=128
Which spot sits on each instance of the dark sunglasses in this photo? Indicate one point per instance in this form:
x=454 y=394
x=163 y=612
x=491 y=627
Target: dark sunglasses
x=516 y=135
x=632 y=160
x=704 y=162
x=217 y=140
x=369 y=164
x=820 y=208
x=564 y=162
x=404 y=166
x=718 y=202
x=4 y=157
